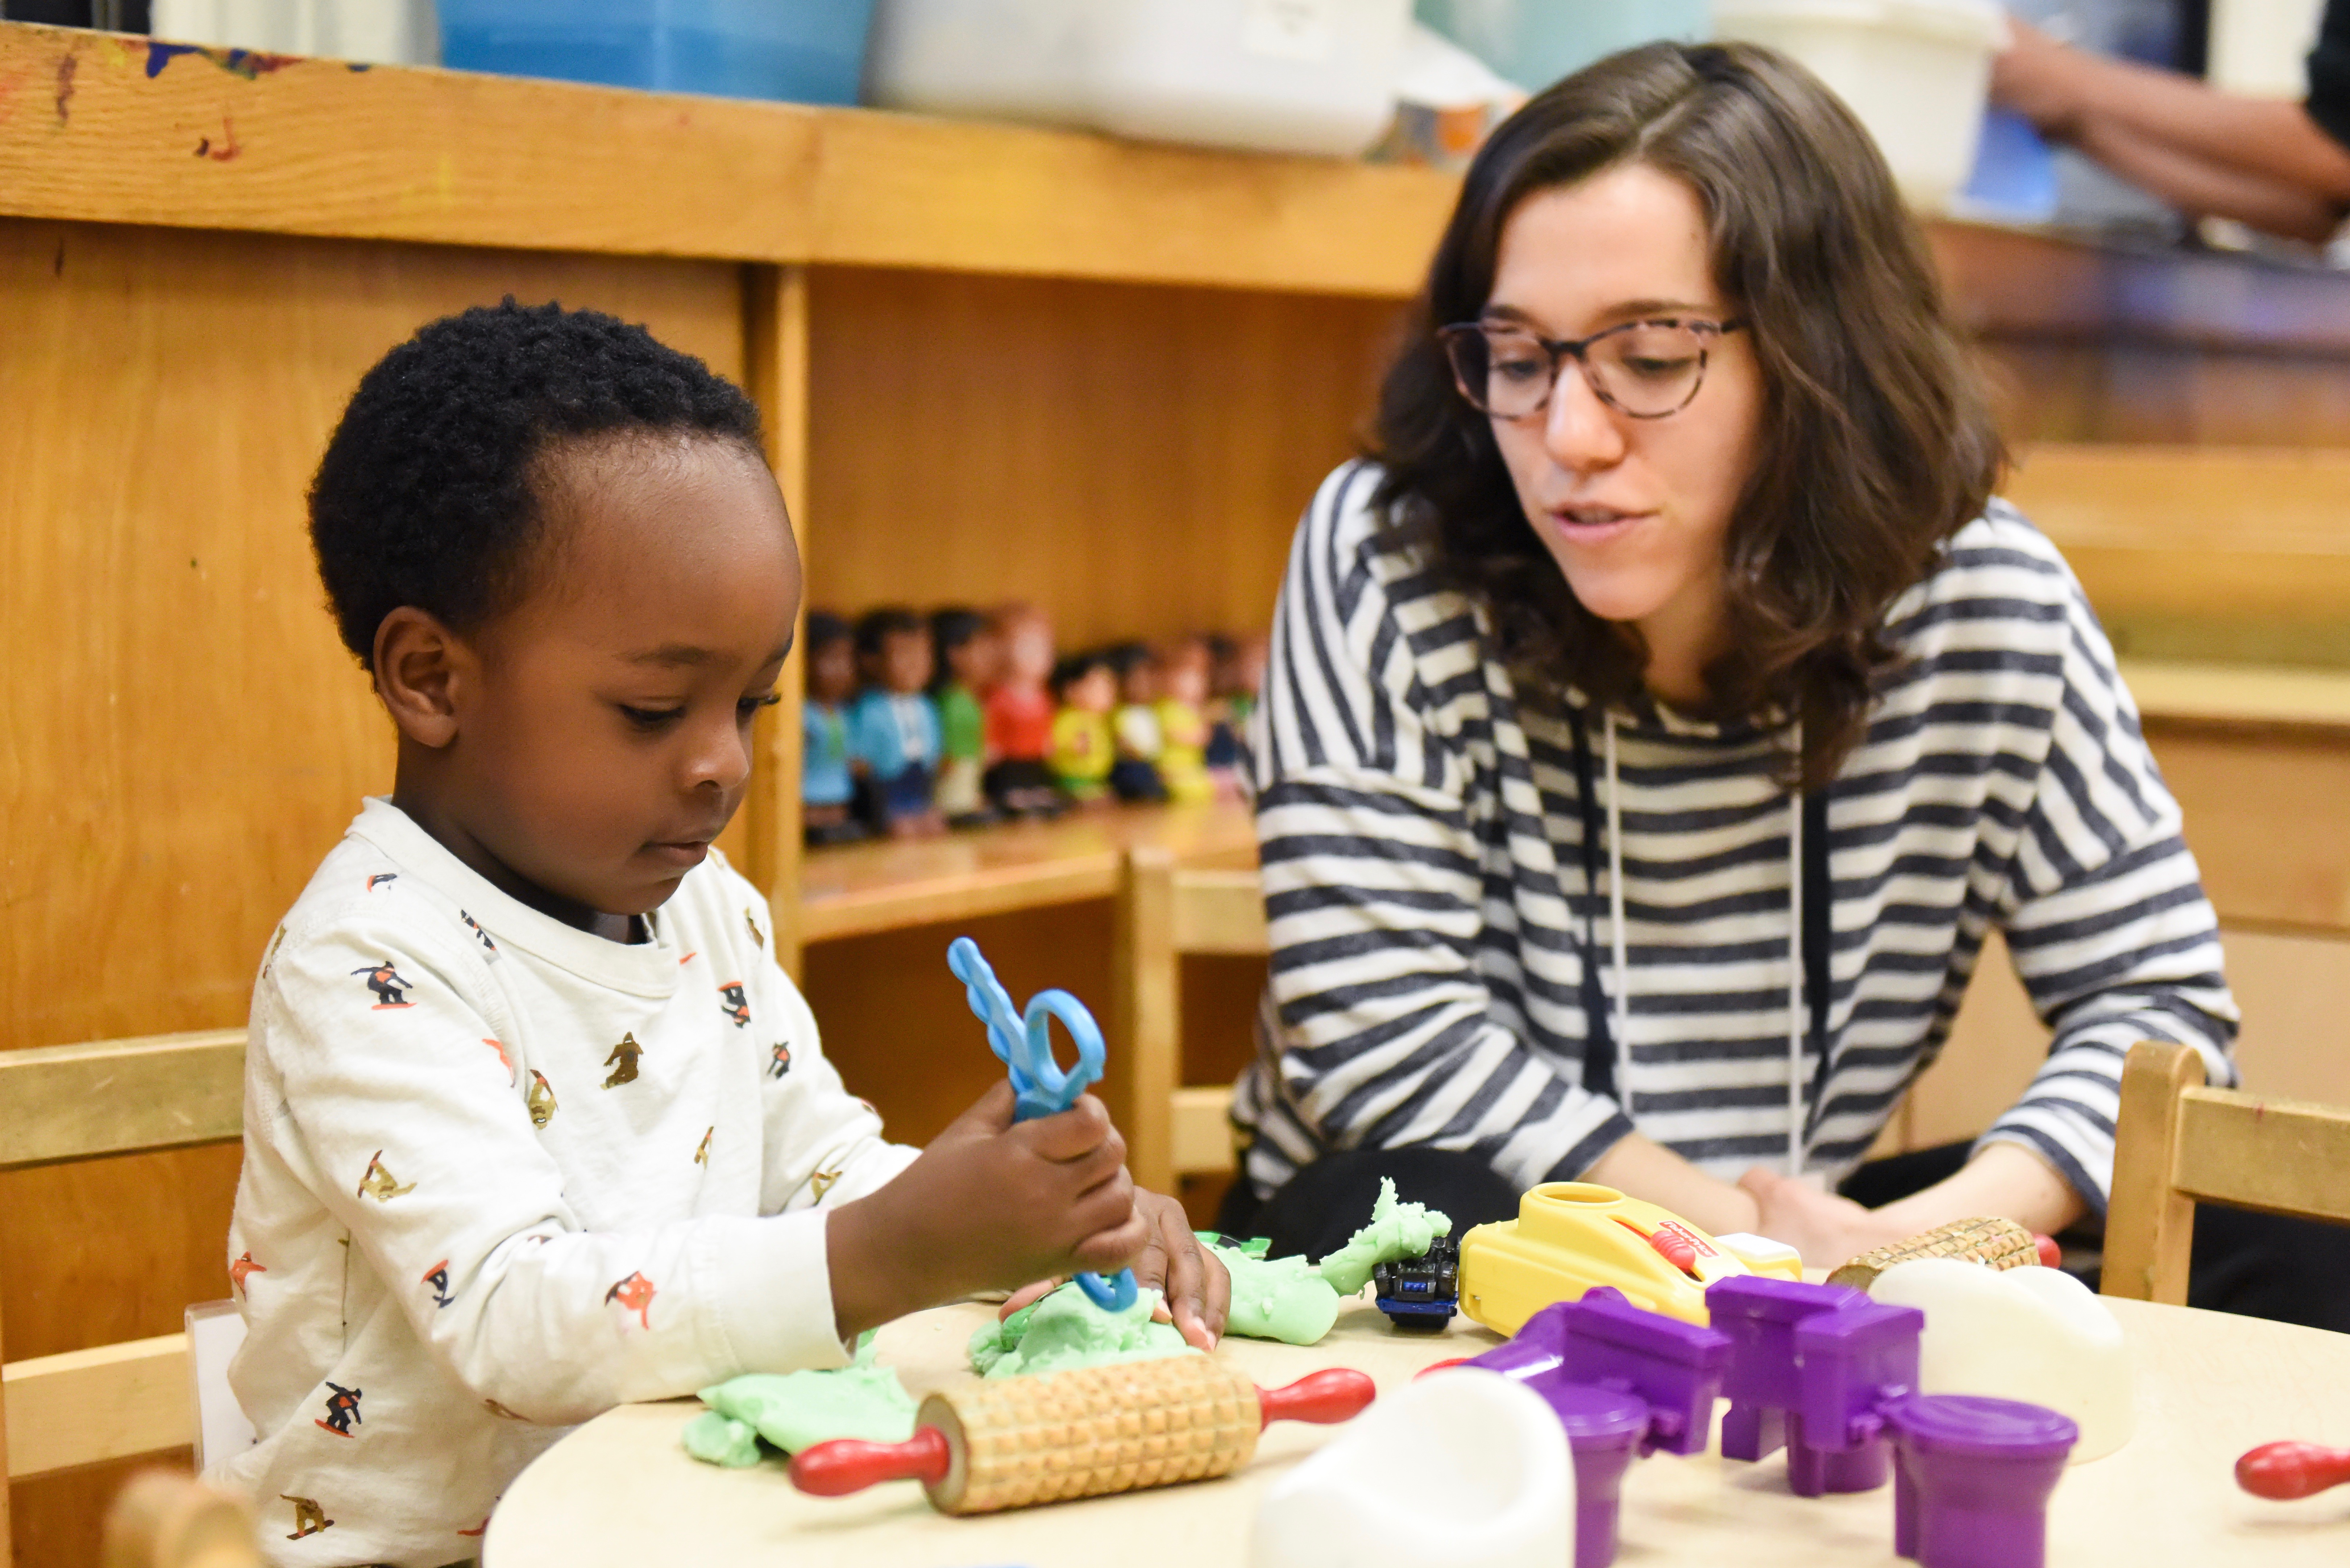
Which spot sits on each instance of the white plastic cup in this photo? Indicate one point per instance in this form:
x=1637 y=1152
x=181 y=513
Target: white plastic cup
x=1462 y=1466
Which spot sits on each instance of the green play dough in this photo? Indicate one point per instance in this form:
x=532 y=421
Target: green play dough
x=717 y=1440
x=794 y=1410
x=1066 y=1330
x=1287 y=1298
x=1396 y=1230
x=1275 y=1298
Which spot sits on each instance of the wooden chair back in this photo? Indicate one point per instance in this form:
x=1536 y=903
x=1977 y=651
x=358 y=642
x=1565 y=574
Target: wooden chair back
x=80 y=1102
x=1164 y=911
x=163 y=1519
x=2177 y=1143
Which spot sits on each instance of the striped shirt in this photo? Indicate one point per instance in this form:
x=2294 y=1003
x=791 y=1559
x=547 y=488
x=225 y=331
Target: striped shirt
x=1421 y=837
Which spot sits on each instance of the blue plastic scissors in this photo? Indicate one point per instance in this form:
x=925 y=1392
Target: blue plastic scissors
x=1023 y=1043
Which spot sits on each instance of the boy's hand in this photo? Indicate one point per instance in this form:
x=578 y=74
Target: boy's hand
x=988 y=1206
x=1198 y=1290
x=1195 y=1289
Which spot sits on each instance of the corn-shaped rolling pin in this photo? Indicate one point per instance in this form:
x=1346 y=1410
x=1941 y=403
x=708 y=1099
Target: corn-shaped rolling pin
x=1024 y=1441
x=1997 y=1243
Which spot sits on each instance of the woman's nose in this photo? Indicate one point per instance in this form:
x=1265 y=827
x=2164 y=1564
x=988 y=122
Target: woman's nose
x=1579 y=431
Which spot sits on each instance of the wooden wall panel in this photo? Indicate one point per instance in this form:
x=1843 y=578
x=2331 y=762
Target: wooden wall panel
x=1132 y=459
x=2092 y=391
x=185 y=736
x=194 y=738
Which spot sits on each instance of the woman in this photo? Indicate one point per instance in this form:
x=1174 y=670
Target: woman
x=1658 y=722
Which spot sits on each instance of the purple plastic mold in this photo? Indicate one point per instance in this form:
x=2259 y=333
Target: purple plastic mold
x=1809 y=1366
x=1604 y=1427
x=1971 y=1478
x=1623 y=1383
x=1676 y=1366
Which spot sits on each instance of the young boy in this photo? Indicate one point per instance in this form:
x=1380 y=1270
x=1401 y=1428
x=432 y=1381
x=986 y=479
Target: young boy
x=534 y=1123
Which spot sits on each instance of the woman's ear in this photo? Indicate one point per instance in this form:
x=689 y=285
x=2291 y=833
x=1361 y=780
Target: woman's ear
x=420 y=669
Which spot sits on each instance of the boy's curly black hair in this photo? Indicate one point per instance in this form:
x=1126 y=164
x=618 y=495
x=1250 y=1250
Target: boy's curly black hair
x=426 y=497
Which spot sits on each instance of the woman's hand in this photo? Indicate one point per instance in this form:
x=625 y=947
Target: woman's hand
x=1825 y=1229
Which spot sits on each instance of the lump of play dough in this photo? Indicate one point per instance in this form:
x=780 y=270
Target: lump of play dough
x=1462 y=1466
x=1276 y=1298
x=1066 y=1330
x=1396 y=1231
x=2031 y=1334
x=717 y=1440
x=794 y=1410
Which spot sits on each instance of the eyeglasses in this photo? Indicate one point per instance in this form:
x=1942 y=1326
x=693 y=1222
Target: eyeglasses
x=1643 y=369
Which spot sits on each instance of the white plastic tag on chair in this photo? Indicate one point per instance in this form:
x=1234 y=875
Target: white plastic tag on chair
x=215 y=1331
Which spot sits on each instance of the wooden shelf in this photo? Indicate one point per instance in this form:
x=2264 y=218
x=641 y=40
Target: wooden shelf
x=858 y=889
x=2241 y=695
x=108 y=128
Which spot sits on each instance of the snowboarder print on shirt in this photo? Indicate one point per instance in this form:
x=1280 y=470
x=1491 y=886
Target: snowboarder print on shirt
x=541 y=1099
x=238 y=1271
x=781 y=1060
x=342 y=1410
x=379 y=879
x=735 y=1003
x=757 y=936
x=437 y=1276
x=308 y=1517
x=475 y=926
x=379 y=1182
x=385 y=981
x=636 y=1294
x=623 y=1061
x=702 y=1154
x=504 y=1060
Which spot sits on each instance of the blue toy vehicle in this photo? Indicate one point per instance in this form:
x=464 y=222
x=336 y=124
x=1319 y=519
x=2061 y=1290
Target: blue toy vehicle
x=1421 y=1294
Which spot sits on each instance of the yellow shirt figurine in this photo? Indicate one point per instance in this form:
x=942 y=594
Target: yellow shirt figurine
x=1082 y=749
x=1183 y=722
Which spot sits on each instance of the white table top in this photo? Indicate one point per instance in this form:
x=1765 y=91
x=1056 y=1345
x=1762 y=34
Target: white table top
x=621 y=1492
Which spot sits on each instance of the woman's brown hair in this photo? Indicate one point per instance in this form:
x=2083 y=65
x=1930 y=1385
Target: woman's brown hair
x=1876 y=443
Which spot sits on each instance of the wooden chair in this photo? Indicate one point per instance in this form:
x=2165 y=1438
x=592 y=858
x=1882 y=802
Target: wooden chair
x=163 y=1519
x=80 y=1102
x=2177 y=1143
x=1165 y=911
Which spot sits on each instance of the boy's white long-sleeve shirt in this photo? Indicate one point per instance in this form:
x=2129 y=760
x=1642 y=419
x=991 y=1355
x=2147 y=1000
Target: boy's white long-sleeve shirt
x=501 y=1175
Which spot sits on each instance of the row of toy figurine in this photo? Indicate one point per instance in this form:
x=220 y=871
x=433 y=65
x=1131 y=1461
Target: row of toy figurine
x=914 y=724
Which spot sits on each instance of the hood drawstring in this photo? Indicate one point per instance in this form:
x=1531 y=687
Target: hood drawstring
x=1798 y=960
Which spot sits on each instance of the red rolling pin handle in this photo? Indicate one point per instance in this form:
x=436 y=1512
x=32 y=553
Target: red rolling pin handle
x=851 y=1464
x=2283 y=1471
x=1332 y=1395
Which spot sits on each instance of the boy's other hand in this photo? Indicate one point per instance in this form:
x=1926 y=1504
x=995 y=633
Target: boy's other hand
x=1196 y=1289
x=989 y=1205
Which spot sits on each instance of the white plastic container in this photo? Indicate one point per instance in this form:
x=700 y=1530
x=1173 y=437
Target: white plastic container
x=2029 y=1333
x=1462 y=1467
x=378 y=32
x=1916 y=72
x=1280 y=76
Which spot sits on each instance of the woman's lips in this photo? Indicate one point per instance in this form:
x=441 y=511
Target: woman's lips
x=1594 y=525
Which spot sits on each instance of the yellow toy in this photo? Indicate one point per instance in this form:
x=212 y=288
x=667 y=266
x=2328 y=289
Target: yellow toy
x=1572 y=1235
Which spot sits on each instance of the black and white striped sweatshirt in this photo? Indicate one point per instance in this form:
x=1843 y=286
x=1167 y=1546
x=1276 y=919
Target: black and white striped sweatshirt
x=1422 y=840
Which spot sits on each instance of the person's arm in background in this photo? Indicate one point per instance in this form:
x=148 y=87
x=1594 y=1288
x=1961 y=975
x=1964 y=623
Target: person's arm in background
x=2262 y=161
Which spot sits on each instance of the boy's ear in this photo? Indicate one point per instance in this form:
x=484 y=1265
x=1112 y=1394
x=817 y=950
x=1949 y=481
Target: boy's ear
x=418 y=666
